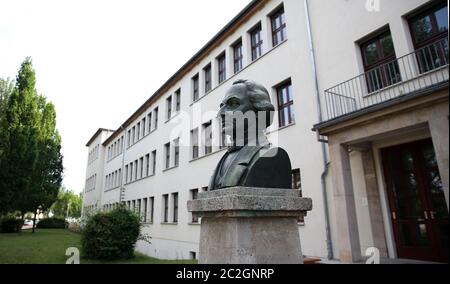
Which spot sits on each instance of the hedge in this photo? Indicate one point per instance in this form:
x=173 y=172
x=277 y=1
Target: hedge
x=110 y=235
x=51 y=223
x=10 y=225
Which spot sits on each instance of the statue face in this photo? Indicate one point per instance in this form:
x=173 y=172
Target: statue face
x=236 y=100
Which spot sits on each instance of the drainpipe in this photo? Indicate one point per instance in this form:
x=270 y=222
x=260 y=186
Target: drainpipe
x=123 y=165
x=324 y=151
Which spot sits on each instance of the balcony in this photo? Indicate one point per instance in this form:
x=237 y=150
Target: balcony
x=406 y=76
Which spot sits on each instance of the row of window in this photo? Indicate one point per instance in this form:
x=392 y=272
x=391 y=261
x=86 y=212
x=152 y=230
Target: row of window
x=279 y=34
x=429 y=31
x=145 y=126
x=115 y=149
x=145 y=207
x=93 y=154
x=141 y=168
x=146 y=165
x=173 y=103
x=90 y=183
x=113 y=180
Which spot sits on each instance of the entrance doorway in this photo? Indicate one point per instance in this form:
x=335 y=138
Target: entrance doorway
x=419 y=211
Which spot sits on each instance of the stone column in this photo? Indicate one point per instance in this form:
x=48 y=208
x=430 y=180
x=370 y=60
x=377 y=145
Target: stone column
x=374 y=204
x=439 y=133
x=344 y=203
x=244 y=225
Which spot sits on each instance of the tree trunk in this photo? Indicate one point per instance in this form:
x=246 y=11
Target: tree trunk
x=34 y=220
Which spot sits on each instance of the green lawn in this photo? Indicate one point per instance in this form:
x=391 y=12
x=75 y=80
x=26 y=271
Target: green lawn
x=49 y=246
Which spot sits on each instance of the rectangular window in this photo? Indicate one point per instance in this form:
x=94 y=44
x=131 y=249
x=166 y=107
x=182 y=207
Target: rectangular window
x=176 y=147
x=378 y=58
x=194 y=196
x=195 y=88
x=153 y=162
x=167 y=152
x=165 y=208
x=169 y=107
x=278 y=21
x=221 y=60
x=149 y=119
x=256 y=42
x=129 y=138
x=207 y=131
x=430 y=35
x=139 y=212
x=138 y=129
x=131 y=172
x=175 y=207
x=145 y=210
x=126 y=174
x=147 y=165
x=136 y=170
x=285 y=104
x=194 y=143
x=141 y=164
x=119 y=177
x=144 y=125
x=152 y=208
x=237 y=56
x=178 y=100
x=208 y=78
x=156 y=117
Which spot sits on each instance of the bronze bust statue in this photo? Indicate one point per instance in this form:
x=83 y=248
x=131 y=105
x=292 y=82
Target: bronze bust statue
x=250 y=161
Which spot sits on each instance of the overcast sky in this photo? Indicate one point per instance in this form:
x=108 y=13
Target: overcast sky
x=98 y=61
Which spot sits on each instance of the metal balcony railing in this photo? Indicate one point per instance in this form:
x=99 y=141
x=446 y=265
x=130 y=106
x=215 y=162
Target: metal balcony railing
x=421 y=69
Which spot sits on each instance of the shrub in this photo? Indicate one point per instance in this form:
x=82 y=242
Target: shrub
x=110 y=235
x=51 y=223
x=10 y=225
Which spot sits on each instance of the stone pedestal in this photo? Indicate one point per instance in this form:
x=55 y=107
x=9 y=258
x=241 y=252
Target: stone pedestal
x=243 y=225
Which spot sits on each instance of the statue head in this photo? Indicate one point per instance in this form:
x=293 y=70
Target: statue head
x=249 y=99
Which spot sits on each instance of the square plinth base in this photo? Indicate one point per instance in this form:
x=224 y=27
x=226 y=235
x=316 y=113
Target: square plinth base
x=250 y=225
x=249 y=240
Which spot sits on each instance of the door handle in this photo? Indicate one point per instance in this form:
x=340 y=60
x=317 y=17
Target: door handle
x=425 y=213
x=394 y=216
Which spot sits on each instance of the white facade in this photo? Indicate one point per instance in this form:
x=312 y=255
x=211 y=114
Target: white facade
x=336 y=28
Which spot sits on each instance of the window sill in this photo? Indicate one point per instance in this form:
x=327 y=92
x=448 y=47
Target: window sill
x=194 y=224
x=169 y=223
x=152 y=175
x=142 y=138
x=207 y=155
x=111 y=189
x=240 y=71
x=171 y=168
x=172 y=117
x=280 y=128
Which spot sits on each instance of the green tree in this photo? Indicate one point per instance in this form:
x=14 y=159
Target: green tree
x=31 y=164
x=6 y=89
x=18 y=141
x=67 y=204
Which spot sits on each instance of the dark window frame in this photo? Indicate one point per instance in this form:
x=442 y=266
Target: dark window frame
x=238 y=56
x=279 y=14
x=282 y=105
x=208 y=78
x=256 y=45
x=222 y=68
x=430 y=12
x=195 y=87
